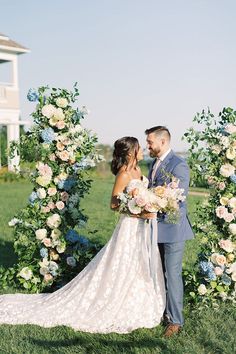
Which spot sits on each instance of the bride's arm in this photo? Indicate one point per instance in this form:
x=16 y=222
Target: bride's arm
x=121 y=181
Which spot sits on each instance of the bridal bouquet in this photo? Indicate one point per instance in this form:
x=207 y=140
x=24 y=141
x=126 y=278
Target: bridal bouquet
x=163 y=200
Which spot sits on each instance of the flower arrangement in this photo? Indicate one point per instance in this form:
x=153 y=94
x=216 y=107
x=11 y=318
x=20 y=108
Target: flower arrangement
x=213 y=155
x=50 y=251
x=162 y=199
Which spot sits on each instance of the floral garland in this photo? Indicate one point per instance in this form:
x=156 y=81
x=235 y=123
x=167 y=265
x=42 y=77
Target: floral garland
x=50 y=251
x=213 y=155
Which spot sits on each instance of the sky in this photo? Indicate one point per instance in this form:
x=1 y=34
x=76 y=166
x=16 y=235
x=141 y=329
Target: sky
x=139 y=63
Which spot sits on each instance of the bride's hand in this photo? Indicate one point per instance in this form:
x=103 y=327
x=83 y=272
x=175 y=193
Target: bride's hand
x=147 y=215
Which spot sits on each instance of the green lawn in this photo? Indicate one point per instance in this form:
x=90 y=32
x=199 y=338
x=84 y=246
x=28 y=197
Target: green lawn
x=210 y=332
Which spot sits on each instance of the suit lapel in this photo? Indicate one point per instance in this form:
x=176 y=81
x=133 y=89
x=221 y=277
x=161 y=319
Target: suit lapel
x=163 y=165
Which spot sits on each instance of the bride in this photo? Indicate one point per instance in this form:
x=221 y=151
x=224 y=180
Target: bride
x=116 y=291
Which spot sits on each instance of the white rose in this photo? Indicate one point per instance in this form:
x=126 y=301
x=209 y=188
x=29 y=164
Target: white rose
x=232 y=268
x=14 y=222
x=227 y=170
x=223 y=295
x=216 y=149
x=54 y=221
x=232 y=203
x=61 y=248
x=61 y=102
x=41 y=193
x=48 y=110
x=41 y=234
x=55 y=233
x=232 y=229
x=202 y=290
x=133 y=207
x=43 y=270
x=58 y=114
x=224 y=201
x=26 y=273
x=71 y=261
x=233 y=276
x=224 y=141
x=231 y=153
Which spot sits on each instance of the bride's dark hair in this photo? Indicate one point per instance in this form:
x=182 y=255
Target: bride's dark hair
x=122 y=148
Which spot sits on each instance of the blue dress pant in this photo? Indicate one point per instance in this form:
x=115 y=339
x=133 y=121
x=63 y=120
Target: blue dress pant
x=172 y=256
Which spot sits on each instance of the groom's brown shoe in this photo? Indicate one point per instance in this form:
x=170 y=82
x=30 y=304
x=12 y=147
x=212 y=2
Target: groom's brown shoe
x=172 y=329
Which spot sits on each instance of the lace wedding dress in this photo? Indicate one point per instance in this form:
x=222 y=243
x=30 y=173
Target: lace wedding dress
x=120 y=290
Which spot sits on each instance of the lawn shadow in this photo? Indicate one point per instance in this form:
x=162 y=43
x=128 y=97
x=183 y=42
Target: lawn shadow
x=7 y=254
x=103 y=345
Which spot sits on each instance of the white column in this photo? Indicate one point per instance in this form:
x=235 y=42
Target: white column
x=13 y=133
x=15 y=72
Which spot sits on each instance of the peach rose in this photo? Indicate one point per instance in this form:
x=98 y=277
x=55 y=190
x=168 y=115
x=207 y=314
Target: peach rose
x=220 y=259
x=48 y=277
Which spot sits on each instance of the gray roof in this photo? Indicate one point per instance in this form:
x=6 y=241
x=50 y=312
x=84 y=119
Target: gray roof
x=9 y=45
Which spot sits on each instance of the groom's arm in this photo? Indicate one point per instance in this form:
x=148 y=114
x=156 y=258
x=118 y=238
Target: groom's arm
x=181 y=171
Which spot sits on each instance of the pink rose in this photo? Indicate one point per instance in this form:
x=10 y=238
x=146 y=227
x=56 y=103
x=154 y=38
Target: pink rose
x=60 y=124
x=47 y=277
x=44 y=169
x=221 y=186
x=230 y=128
x=64 y=196
x=51 y=205
x=60 y=205
x=218 y=271
x=45 y=209
x=140 y=201
x=47 y=242
x=52 y=191
x=210 y=180
x=52 y=157
x=229 y=217
x=221 y=212
x=174 y=184
x=226 y=245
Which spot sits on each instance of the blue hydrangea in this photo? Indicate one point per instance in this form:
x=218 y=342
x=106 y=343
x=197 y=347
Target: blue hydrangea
x=33 y=196
x=76 y=166
x=32 y=95
x=48 y=135
x=86 y=162
x=211 y=275
x=226 y=279
x=233 y=178
x=66 y=184
x=83 y=241
x=205 y=266
x=44 y=252
x=72 y=236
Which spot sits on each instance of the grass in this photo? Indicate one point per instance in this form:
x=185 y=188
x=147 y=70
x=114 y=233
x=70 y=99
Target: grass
x=208 y=332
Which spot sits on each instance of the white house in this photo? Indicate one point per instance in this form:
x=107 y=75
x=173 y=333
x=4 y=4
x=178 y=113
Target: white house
x=9 y=90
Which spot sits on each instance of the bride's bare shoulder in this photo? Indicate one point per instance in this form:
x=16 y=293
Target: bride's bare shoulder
x=123 y=176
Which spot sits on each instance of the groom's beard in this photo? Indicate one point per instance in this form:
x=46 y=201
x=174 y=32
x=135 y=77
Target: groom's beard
x=154 y=153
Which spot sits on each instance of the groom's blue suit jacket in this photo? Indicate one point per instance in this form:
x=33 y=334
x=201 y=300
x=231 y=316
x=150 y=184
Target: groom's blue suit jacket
x=177 y=167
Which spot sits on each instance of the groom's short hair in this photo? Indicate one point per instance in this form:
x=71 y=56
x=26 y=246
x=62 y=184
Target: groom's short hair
x=158 y=130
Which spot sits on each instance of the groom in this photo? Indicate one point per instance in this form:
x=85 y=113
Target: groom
x=171 y=237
